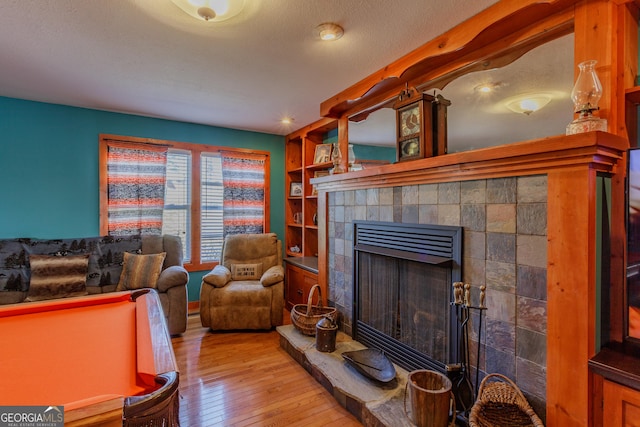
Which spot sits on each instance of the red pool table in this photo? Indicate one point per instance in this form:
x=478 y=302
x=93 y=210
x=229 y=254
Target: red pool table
x=106 y=358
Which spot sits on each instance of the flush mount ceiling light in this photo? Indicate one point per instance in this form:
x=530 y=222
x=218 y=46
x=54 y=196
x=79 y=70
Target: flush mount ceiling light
x=211 y=10
x=528 y=103
x=329 y=31
x=488 y=87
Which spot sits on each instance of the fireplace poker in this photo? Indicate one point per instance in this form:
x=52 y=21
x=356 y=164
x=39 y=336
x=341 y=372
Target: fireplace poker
x=462 y=301
x=481 y=307
x=465 y=340
x=461 y=293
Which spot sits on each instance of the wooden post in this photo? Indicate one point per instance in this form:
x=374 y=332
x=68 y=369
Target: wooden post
x=607 y=32
x=570 y=295
x=343 y=141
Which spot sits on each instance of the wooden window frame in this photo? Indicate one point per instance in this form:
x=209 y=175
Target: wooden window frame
x=196 y=150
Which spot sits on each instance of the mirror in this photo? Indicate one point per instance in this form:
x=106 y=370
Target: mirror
x=477 y=119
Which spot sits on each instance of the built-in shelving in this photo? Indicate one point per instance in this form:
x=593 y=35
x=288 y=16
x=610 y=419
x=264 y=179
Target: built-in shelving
x=301 y=238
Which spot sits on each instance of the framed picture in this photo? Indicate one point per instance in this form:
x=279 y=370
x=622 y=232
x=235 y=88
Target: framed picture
x=322 y=154
x=295 y=190
x=318 y=174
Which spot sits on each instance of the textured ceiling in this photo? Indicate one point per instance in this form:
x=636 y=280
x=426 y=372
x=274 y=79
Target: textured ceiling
x=148 y=57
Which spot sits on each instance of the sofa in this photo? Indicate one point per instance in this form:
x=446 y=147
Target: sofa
x=246 y=290
x=31 y=270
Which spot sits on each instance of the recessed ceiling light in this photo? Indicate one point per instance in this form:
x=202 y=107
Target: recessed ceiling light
x=286 y=120
x=329 y=31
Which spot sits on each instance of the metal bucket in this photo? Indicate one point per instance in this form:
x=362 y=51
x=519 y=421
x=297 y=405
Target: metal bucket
x=430 y=397
x=326 y=332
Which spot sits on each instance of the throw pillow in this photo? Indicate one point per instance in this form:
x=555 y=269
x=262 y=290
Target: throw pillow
x=57 y=276
x=140 y=271
x=246 y=271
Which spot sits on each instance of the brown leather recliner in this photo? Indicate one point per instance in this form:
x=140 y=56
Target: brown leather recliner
x=246 y=290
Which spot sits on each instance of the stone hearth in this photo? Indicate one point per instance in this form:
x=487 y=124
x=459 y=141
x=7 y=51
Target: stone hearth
x=375 y=405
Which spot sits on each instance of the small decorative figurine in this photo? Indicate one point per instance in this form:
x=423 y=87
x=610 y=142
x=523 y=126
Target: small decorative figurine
x=467 y=294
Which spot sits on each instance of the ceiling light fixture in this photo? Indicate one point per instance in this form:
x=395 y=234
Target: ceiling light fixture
x=528 y=103
x=286 y=120
x=329 y=31
x=211 y=10
x=488 y=87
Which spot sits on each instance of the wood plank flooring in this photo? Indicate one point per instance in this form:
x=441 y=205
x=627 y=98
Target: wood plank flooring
x=246 y=379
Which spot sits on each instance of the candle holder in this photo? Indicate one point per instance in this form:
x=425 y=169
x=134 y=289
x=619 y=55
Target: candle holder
x=586 y=94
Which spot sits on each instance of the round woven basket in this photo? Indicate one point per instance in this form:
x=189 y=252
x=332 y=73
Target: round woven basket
x=501 y=403
x=305 y=316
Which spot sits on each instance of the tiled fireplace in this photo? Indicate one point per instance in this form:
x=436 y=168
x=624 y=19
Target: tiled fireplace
x=402 y=284
x=504 y=248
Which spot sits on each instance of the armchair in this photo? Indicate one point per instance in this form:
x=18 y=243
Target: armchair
x=246 y=290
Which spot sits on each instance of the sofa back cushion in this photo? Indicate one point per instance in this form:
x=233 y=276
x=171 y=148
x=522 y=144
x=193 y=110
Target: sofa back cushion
x=251 y=249
x=171 y=245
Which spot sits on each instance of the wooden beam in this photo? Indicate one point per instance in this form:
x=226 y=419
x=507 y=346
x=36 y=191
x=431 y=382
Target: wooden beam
x=510 y=23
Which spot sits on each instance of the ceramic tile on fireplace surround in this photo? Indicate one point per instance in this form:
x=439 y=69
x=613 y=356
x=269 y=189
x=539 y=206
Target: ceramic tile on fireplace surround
x=532 y=218
x=473 y=217
x=502 y=190
x=449 y=193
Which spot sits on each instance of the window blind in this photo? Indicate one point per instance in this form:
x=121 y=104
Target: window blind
x=212 y=199
x=176 y=218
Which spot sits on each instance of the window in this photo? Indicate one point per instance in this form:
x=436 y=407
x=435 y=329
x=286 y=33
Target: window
x=196 y=207
x=176 y=216
x=211 y=207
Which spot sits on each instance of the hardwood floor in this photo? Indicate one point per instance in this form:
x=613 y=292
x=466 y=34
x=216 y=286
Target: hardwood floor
x=246 y=379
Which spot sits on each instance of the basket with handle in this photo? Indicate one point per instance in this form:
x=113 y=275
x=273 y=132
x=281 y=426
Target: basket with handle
x=501 y=403
x=305 y=316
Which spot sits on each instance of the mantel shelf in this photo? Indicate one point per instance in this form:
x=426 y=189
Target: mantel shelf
x=598 y=150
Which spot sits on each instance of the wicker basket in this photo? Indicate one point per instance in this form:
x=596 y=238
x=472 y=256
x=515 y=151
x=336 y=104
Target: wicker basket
x=501 y=403
x=305 y=316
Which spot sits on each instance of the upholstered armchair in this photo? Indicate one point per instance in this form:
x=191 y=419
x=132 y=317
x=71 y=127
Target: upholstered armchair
x=246 y=290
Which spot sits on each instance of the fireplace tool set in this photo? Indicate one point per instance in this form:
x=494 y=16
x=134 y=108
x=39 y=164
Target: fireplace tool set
x=459 y=373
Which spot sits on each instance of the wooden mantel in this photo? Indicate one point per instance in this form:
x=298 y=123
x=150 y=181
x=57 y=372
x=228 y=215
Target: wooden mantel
x=599 y=151
x=571 y=164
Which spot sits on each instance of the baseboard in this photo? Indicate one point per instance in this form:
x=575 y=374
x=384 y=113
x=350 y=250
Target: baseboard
x=193 y=307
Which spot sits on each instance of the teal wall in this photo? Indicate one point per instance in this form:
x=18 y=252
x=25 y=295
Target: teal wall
x=370 y=152
x=49 y=166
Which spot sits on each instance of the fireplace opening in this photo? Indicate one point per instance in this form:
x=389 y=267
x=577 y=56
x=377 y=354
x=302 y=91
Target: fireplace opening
x=403 y=276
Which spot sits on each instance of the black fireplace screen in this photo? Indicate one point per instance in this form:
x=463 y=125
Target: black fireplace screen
x=403 y=281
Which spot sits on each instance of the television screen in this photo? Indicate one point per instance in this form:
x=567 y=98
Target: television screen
x=633 y=242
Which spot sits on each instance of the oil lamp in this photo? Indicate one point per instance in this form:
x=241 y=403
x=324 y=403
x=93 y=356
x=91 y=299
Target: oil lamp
x=585 y=95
